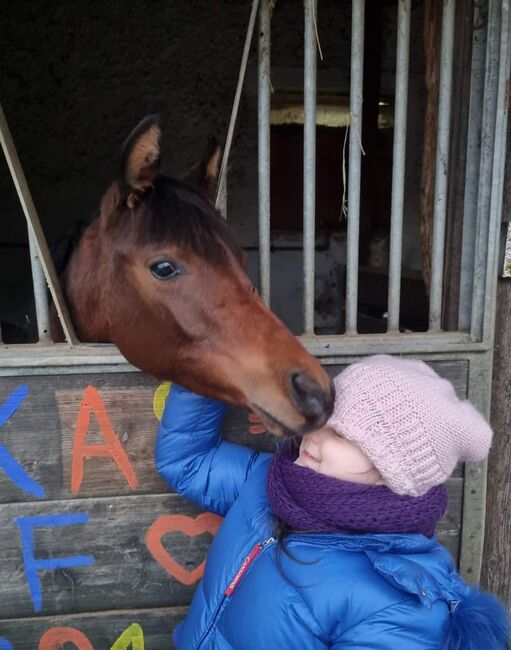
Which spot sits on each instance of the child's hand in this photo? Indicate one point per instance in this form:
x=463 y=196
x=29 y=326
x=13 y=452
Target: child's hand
x=256 y=426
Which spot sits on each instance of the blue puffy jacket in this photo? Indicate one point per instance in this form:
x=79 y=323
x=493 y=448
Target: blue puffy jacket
x=370 y=592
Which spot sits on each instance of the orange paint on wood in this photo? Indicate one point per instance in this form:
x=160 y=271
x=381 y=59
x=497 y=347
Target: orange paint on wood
x=256 y=425
x=203 y=523
x=56 y=637
x=92 y=403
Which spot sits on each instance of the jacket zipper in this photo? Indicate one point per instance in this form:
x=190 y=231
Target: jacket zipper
x=258 y=548
x=247 y=562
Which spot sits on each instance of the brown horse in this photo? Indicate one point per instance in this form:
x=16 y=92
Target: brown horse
x=158 y=273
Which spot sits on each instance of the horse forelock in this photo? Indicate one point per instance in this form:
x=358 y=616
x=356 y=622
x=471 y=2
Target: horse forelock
x=172 y=211
x=176 y=212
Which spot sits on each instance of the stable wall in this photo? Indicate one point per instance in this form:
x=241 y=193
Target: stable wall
x=76 y=78
x=139 y=549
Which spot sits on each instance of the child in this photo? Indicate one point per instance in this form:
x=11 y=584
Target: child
x=330 y=545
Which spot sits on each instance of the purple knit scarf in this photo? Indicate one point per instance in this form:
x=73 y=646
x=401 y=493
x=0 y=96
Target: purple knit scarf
x=311 y=502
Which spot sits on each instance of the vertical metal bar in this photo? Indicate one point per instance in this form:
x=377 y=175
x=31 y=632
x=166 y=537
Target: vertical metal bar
x=489 y=139
x=355 y=157
x=309 y=165
x=40 y=293
x=498 y=173
x=442 y=165
x=495 y=121
x=264 y=150
x=470 y=199
x=221 y=197
x=398 y=162
x=35 y=229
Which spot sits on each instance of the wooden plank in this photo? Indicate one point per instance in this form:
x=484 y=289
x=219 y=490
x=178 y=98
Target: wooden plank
x=102 y=628
x=41 y=433
x=448 y=530
x=431 y=36
x=457 y=162
x=124 y=574
x=455 y=371
x=496 y=569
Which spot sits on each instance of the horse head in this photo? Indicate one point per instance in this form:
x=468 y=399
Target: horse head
x=159 y=274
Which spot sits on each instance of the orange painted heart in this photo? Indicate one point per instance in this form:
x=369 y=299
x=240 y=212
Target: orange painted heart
x=206 y=522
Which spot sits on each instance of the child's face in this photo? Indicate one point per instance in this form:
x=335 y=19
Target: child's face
x=327 y=452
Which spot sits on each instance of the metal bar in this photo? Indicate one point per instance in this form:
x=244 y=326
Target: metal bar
x=355 y=158
x=474 y=483
x=40 y=293
x=470 y=199
x=485 y=176
x=392 y=343
x=309 y=166
x=498 y=174
x=221 y=197
x=442 y=165
x=35 y=229
x=237 y=97
x=474 y=496
x=325 y=347
x=398 y=162
x=264 y=150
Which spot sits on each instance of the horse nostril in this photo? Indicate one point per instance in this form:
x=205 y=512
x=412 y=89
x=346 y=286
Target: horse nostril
x=311 y=400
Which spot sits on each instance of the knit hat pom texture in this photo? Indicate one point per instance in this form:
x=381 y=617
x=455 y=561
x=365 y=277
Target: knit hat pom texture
x=408 y=421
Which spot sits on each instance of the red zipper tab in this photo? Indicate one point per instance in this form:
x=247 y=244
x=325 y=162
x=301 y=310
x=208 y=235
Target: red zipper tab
x=244 y=567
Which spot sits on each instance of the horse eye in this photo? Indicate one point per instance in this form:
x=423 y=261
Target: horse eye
x=164 y=270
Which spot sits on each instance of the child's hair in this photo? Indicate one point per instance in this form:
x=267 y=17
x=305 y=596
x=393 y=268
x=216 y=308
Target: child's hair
x=282 y=530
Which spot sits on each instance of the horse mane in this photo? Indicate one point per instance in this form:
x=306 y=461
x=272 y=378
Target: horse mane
x=62 y=249
x=172 y=210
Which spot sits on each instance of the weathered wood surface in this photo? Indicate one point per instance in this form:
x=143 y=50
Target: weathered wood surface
x=102 y=629
x=431 y=35
x=124 y=573
x=41 y=433
x=463 y=35
x=130 y=571
x=496 y=569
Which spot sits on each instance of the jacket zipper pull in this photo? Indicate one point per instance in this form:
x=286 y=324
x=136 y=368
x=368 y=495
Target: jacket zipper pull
x=245 y=565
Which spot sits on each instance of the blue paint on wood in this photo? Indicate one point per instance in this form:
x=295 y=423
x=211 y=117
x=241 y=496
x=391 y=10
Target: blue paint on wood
x=33 y=564
x=18 y=475
x=7 y=462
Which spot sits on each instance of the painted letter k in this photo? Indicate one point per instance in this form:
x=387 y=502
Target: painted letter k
x=7 y=462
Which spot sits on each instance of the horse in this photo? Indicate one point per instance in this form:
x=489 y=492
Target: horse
x=157 y=272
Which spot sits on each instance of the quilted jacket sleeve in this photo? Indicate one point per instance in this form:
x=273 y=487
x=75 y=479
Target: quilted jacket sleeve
x=191 y=457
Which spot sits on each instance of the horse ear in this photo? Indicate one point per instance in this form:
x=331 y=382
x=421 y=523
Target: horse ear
x=140 y=160
x=204 y=173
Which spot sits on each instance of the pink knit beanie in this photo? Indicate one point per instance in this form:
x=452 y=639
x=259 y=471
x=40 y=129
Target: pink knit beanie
x=408 y=421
